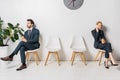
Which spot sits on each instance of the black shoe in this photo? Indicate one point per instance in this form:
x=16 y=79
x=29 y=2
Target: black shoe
x=6 y=59
x=107 y=67
x=113 y=64
x=21 y=67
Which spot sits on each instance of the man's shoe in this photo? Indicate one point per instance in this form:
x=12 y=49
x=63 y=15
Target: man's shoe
x=21 y=67
x=6 y=59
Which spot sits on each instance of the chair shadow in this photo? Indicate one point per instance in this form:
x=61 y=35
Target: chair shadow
x=118 y=68
x=13 y=66
x=51 y=62
x=105 y=29
x=116 y=56
x=87 y=52
x=40 y=51
x=62 y=55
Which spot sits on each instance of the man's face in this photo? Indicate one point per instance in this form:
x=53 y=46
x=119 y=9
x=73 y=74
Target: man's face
x=99 y=26
x=29 y=25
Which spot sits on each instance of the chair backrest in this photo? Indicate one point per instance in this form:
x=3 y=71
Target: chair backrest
x=53 y=43
x=78 y=43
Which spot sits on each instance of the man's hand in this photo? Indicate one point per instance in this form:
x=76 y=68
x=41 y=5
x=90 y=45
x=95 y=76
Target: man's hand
x=23 y=39
x=103 y=41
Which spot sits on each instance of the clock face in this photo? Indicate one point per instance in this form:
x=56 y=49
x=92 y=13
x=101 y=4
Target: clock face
x=73 y=4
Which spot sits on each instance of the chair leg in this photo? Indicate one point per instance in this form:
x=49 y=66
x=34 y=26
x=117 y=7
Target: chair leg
x=101 y=54
x=57 y=57
x=97 y=56
x=47 y=58
x=84 y=59
x=81 y=57
x=36 y=58
x=73 y=58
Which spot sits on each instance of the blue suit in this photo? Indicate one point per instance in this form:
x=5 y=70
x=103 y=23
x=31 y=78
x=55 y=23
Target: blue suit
x=97 y=42
x=31 y=44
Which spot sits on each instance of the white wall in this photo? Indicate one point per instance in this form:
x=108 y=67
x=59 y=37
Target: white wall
x=53 y=18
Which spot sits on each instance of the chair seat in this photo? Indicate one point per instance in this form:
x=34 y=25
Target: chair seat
x=101 y=50
x=32 y=50
x=78 y=49
x=53 y=49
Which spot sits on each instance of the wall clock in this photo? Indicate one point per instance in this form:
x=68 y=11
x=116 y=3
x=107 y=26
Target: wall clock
x=73 y=4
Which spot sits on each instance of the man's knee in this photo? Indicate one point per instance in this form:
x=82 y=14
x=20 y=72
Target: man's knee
x=22 y=43
x=22 y=49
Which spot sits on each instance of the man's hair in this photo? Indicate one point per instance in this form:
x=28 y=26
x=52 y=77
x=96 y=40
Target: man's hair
x=99 y=22
x=32 y=22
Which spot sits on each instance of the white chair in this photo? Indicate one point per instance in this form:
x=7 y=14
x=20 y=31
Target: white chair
x=53 y=47
x=36 y=56
x=78 y=47
x=100 y=53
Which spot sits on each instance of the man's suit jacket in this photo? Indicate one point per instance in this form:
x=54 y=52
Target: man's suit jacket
x=33 y=38
x=97 y=37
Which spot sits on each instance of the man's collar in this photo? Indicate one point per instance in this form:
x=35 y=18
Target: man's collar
x=30 y=28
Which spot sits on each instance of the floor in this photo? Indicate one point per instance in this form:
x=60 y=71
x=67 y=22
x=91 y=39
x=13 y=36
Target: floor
x=63 y=72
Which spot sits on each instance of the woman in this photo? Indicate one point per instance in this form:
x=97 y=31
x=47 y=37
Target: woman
x=101 y=43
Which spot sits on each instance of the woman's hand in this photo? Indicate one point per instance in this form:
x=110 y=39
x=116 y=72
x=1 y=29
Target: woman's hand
x=103 y=41
x=97 y=29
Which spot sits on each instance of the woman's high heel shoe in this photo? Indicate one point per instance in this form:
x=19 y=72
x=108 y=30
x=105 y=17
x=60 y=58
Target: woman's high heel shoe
x=107 y=67
x=113 y=64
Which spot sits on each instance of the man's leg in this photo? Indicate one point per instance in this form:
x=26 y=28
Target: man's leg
x=10 y=57
x=22 y=55
x=17 y=49
x=23 y=48
x=23 y=58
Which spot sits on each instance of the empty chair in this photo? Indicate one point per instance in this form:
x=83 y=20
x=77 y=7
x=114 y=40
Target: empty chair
x=100 y=53
x=78 y=47
x=35 y=53
x=53 y=46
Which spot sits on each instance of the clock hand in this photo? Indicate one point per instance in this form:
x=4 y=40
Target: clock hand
x=74 y=2
x=70 y=3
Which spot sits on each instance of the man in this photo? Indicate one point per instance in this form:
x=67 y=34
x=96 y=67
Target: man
x=29 y=41
x=100 y=42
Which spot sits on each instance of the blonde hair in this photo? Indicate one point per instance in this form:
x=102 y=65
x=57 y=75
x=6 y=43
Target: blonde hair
x=99 y=22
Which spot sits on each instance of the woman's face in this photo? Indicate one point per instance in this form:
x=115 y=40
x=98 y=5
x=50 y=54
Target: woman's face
x=99 y=26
